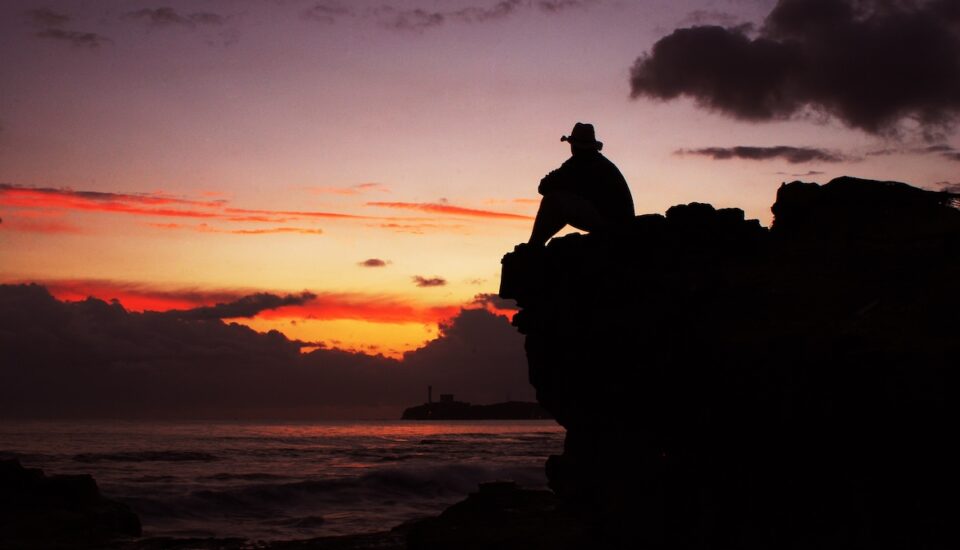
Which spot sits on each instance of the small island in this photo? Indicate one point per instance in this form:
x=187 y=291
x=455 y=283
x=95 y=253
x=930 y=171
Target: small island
x=450 y=409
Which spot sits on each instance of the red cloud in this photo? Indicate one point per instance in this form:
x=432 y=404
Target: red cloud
x=416 y=228
x=357 y=189
x=139 y=296
x=205 y=228
x=451 y=210
x=325 y=306
x=166 y=206
x=30 y=223
x=377 y=309
x=155 y=204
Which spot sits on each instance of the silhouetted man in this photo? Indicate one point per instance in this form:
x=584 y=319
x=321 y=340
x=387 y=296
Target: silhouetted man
x=587 y=191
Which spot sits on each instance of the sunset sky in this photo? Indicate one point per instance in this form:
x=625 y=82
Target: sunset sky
x=367 y=163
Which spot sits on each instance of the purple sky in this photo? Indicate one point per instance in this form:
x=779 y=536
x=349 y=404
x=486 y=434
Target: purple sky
x=383 y=155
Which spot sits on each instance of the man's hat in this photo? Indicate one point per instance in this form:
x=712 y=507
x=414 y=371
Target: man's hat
x=583 y=137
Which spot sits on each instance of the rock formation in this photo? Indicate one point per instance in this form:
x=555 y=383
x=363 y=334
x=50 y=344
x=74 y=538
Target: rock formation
x=39 y=511
x=728 y=386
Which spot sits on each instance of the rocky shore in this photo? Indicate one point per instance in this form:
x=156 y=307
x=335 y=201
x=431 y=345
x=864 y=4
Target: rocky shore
x=723 y=385
x=728 y=386
x=40 y=511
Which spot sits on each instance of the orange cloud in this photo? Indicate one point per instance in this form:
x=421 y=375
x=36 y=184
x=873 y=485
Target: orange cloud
x=495 y=305
x=159 y=204
x=359 y=307
x=139 y=296
x=155 y=204
x=512 y=201
x=29 y=221
x=325 y=306
x=417 y=228
x=450 y=210
x=206 y=228
x=357 y=189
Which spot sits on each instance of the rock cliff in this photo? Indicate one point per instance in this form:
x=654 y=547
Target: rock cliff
x=724 y=385
x=60 y=511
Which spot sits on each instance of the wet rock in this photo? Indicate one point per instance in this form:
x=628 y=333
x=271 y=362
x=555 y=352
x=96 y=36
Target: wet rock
x=37 y=510
x=500 y=515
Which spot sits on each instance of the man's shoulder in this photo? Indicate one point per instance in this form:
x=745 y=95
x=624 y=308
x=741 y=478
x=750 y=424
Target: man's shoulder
x=607 y=164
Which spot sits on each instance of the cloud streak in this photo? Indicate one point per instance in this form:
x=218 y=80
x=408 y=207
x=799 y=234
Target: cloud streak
x=793 y=155
x=496 y=305
x=206 y=212
x=207 y=228
x=247 y=306
x=420 y=20
x=75 y=38
x=45 y=17
x=50 y=25
x=872 y=64
x=322 y=305
x=54 y=227
x=450 y=210
x=427 y=282
x=946 y=151
x=358 y=189
x=418 y=228
x=169 y=17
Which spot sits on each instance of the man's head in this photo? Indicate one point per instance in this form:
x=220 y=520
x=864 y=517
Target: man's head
x=582 y=139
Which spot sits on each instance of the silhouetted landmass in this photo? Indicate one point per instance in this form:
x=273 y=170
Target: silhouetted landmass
x=96 y=359
x=728 y=386
x=461 y=410
x=499 y=515
x=49 y=511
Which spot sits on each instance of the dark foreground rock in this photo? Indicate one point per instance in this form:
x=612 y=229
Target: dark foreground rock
x=39 y=511
x=503 y=516
x=461 y=410
x=725 y=386
x=728 y=386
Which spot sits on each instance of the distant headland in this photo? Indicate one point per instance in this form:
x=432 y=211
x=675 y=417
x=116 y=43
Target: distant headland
x=449 y=408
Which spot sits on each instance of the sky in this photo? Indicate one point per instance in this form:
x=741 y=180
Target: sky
x=352 y=172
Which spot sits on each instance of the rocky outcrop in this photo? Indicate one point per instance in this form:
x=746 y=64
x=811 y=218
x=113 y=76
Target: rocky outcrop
x=460 y=410
x=39 y=511
x=728 y=386
x=500 y=515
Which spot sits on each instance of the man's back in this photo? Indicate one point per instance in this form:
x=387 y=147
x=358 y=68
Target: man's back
x=592 y=176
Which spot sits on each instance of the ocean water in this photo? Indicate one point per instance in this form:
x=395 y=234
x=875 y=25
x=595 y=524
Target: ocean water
x=276 y=481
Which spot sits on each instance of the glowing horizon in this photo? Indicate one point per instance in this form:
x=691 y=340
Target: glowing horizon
x=380 y=159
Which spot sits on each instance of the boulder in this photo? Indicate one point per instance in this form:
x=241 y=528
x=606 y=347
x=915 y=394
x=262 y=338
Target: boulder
x=38 y=511
x=728 y=386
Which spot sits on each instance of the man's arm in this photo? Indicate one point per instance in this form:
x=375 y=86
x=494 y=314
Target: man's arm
x=558 y=180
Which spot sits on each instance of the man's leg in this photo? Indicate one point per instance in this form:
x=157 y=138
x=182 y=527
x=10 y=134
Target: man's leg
x=561 y=208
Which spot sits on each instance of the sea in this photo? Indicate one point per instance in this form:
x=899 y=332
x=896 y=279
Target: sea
x=282 y=481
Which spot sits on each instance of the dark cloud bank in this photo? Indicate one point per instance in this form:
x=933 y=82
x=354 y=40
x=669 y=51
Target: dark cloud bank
x=869 y=63
x=419 y=19
x=50 y=25
x=793 y=155
x=95 y=359
x=248 y=306
x=165 y=16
